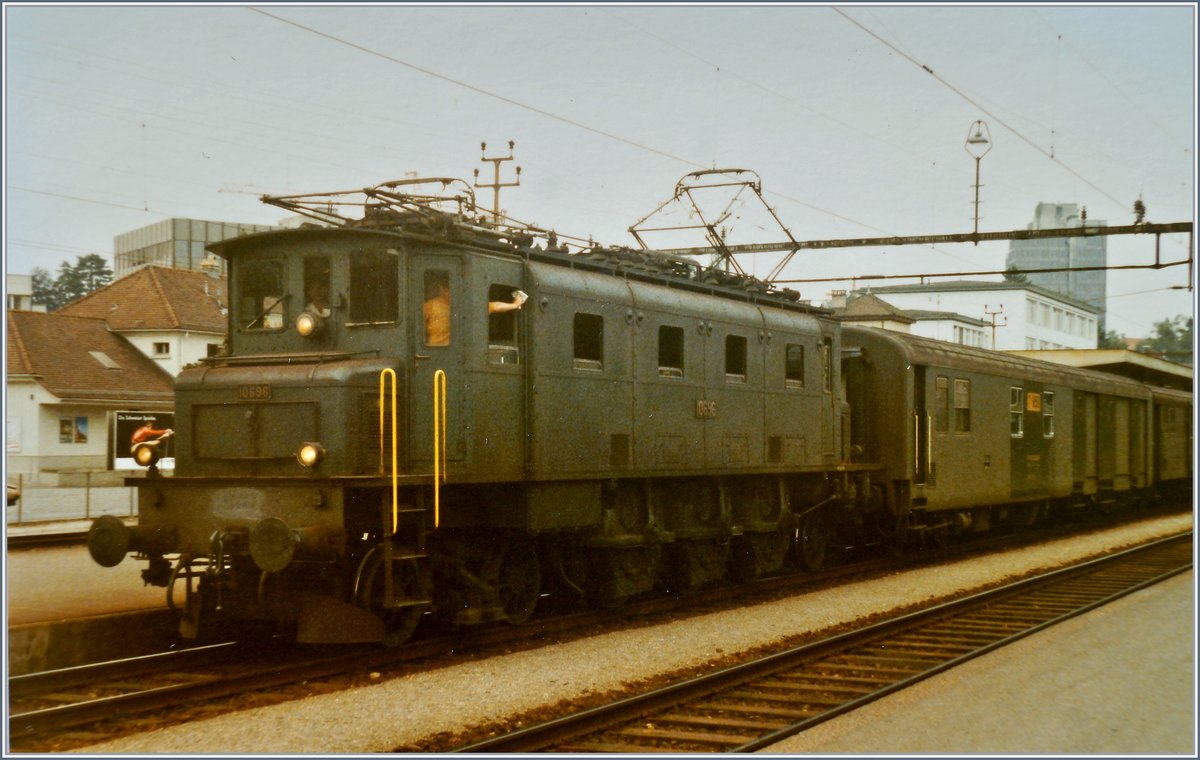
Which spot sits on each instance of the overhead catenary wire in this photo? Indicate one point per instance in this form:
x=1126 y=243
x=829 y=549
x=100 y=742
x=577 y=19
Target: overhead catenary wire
x=1138 y=108
x=957 y=91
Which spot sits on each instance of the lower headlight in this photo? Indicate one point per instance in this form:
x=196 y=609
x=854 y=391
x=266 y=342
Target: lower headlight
x=310 y=454
x=146 y=454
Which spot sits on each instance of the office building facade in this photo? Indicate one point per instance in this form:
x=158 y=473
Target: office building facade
x=1089 y=287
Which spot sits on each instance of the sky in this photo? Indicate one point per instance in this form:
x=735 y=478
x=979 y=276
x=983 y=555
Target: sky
x=854 y=118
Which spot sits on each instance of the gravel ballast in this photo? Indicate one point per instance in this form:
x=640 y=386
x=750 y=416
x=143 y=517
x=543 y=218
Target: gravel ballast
x=403 y=711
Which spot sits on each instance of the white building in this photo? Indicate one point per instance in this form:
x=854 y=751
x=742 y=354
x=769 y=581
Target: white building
x=174 y=316
x=18 y=291
x=1012 y=315
x=950 y=327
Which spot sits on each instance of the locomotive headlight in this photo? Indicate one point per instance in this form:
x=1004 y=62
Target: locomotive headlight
x=146 y=454
x=310 y=454
x=309 y=324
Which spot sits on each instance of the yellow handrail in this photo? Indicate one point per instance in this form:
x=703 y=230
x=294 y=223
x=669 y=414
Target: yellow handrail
x=395 y=500
x=439 y=441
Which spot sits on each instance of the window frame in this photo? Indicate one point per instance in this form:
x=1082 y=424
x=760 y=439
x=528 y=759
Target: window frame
x=675 y=345
x=382 y=284
x=791 y=381
x=737 y=358
x=1047 y=414
x=248 y=281
x=587 y=342
x=962 y=411
x=1016 y=411
x=941 y=404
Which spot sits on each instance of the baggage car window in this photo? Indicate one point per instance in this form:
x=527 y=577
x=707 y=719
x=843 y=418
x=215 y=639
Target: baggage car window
x=793 y=366
x=670 y=351
x=374 y=286
x=1048 y=414
x=1016 y=411
x=735 y=359
x=261 y=294
x=589 y=341
x=941 y=404
x=962 y=406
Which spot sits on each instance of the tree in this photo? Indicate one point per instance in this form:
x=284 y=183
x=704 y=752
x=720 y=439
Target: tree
x=89 y=273
x=1012 y=274
x=45 y=290
x=1172 y=339
x=1110 y=339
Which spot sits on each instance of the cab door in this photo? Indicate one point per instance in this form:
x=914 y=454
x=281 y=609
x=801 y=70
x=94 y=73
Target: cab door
x=435 y=313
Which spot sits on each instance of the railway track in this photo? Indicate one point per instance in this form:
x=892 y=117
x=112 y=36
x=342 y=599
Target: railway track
x=44 y=704
x=100 y=697
x=752 y=706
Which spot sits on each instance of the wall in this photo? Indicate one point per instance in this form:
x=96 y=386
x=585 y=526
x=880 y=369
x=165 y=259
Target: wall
x=1012 y=322
x=185 y=347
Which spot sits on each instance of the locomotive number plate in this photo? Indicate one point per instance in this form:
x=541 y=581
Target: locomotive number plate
x=705 y=409
x=256 y=392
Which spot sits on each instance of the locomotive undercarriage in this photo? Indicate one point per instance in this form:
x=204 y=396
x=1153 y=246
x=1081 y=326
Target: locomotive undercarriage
x=328 y=576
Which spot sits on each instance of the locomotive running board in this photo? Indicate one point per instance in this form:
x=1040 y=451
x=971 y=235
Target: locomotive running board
x=325 y=620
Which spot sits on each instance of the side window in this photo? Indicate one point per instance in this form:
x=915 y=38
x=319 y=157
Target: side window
x=962 y=406
x=1048 y=414
x=1016 y=412
x=588 y=341
x=941 y=404
x=735 y=359
x=670 y=351
x=435 y=309
x=260 y=294
x=793 y=366
x=316 y=286
x=503 y=305
x=374 y=286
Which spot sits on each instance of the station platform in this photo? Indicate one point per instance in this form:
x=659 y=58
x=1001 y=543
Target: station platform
x=1118 y=680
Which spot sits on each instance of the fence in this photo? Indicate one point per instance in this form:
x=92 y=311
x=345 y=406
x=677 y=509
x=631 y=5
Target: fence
x=55 y=503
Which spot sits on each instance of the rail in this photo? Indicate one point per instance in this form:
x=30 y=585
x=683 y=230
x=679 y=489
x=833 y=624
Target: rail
x=752 y=706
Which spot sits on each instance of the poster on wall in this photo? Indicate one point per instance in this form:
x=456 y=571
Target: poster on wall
x=149 y=428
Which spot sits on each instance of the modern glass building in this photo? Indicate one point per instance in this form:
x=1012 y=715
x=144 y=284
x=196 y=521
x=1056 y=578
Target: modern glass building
x=177 y=243
x=1060 y=253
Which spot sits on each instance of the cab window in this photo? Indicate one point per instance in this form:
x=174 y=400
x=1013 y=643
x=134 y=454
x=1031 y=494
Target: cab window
x=261 y=294
x=502 y=325
x=436 y=307
x=316 y=286
x=374 y=286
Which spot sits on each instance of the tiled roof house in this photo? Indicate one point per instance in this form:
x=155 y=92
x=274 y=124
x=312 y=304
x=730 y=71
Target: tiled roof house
x=67 y=377
x=174 y=316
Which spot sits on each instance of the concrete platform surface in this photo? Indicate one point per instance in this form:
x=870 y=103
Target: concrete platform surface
x=1119 y=680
